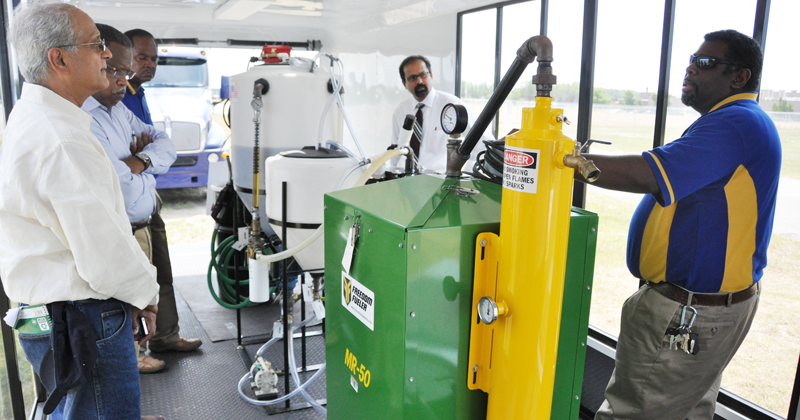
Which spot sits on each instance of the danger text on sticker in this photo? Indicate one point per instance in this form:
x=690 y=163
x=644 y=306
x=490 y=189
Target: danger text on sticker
x=519 y=159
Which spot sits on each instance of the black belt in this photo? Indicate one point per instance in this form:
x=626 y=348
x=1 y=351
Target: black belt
x=679 y=294
x=142 y=224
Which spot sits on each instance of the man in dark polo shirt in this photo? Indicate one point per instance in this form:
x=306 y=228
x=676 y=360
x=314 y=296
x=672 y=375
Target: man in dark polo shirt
x=145 y=61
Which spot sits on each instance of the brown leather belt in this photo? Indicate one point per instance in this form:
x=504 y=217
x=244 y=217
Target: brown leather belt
x=681 y=295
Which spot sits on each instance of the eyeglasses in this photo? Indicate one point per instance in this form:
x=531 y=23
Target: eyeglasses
x=414 y=77
x=705 y=63
x=100 y=46
x=117 y=73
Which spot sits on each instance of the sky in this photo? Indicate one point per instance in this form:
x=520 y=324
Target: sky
x=629 y=39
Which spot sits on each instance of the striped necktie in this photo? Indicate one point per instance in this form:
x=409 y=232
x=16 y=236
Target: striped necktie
x=416 y=138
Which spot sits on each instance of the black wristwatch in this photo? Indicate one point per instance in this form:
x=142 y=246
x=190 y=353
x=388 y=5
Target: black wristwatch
x=144 y=158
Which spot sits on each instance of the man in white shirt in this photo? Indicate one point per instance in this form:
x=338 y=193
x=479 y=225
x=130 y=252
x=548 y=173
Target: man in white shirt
x=64 y=233
x=427 y=103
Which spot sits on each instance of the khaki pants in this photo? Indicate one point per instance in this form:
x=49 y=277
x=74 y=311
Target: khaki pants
x=651 y=381
x=143 y=238
x=167 y=319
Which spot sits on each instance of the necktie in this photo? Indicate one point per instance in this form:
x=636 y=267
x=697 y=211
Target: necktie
x=416 y=138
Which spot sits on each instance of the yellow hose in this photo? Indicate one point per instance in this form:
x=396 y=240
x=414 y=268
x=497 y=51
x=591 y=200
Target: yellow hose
x=317 y=233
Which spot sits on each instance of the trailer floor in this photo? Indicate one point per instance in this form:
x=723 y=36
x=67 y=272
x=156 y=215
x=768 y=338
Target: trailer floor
x=201 y=385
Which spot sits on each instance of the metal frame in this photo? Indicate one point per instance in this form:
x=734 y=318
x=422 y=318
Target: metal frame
x=586 y=89
x=760 y=27
x=498 y=52
x=662 y=100
x=9 y=339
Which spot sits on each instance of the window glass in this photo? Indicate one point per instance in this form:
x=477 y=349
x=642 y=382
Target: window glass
x=764 y=368
x=624 y=114
x=26 y=379
x=520 y=22
x=564 y=23
x=478 y=34
x=180 y=72
x=692 y=21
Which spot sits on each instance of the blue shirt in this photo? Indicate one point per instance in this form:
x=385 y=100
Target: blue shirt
x=136 y=103
x=710 y=230
x=114 y=129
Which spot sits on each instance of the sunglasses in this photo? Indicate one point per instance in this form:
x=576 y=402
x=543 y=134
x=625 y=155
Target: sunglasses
x=117 y=73
x=705 y=63
x=414 y=77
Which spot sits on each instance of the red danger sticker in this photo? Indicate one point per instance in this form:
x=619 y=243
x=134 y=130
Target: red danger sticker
x=520 y=172
x=524 y=159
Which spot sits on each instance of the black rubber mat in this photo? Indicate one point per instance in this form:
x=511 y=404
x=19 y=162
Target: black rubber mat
x=219 y=322
x=201 y=385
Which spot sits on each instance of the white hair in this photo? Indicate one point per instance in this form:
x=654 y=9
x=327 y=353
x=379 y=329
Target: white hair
x=38 y=27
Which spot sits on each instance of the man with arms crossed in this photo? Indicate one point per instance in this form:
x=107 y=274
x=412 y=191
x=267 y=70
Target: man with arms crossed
x=166 y=338
x=698 y=238
x=136 y=150
x=64 y=232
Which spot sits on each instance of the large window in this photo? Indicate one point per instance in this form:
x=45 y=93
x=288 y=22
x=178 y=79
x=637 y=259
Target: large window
x=623 y=113
x=520 y=22
x=477 y=60
x=764 y=369
x=692 y=21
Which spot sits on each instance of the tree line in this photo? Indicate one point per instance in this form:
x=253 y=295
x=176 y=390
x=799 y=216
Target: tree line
x=525 y=91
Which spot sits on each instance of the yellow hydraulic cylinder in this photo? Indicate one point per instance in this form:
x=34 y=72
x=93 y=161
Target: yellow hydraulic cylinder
x=514 y=357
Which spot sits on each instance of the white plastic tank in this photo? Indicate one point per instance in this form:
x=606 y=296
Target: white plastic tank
x=290 y=119
x=309 y=174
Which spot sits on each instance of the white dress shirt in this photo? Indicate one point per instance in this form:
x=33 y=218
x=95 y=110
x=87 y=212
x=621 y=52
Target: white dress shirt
x=64 y=233
x=114 y=129
x=433 y=148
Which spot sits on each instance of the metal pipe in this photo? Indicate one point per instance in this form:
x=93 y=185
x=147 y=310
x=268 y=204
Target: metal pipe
x=287 y=296
x=537 y=46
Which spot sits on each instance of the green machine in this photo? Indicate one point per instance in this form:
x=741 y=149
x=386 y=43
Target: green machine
x=397 y=337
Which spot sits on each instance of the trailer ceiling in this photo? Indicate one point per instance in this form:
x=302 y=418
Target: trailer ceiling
x=213 y=22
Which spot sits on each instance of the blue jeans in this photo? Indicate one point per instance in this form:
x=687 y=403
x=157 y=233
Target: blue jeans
x=112 y=393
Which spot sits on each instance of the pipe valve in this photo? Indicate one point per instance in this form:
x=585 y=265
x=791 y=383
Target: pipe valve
x=588 y=170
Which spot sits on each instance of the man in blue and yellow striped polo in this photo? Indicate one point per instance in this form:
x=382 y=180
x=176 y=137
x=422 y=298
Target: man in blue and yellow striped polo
x=698 y=239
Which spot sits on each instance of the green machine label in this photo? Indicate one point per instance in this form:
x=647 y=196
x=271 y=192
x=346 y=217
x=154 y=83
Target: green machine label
x=359 y=300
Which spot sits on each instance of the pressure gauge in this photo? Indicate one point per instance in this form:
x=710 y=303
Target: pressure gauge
x=487 y=310
x=454 y=119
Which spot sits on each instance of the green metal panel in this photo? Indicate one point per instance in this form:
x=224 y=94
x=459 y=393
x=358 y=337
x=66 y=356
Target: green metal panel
x=416 y=254
x=575 y=315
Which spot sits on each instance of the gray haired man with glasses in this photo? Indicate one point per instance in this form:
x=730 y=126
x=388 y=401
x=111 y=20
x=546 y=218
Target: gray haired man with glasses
x=429 y=142
x=65 y=237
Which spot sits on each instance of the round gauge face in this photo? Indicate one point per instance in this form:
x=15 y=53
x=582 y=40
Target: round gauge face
x=487 y=310
x=449 y=117
x=454 y=119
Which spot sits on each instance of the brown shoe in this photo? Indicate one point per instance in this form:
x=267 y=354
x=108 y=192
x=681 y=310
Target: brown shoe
x=182 y=344
x=149 y=364
x=153 y=418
